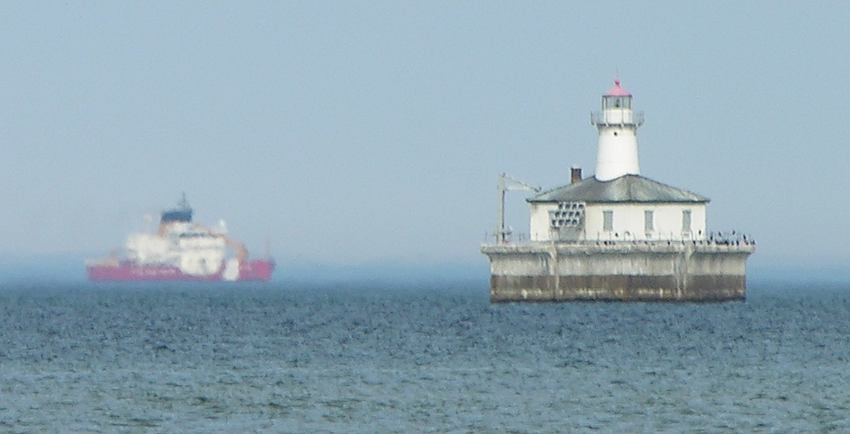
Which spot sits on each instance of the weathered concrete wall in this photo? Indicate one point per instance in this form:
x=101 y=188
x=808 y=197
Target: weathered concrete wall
x=626 y=271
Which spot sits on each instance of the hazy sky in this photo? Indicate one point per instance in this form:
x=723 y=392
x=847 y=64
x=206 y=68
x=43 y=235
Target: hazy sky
x=352 y=132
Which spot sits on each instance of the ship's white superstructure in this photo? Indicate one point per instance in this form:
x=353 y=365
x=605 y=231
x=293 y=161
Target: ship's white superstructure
x=194 y=249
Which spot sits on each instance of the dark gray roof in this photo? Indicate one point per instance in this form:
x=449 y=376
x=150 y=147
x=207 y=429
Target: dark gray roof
x=627 y=188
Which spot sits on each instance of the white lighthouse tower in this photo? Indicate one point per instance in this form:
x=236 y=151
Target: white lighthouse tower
x=617 y=124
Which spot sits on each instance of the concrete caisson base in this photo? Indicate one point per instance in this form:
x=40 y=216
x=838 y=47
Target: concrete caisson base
x=680 y=271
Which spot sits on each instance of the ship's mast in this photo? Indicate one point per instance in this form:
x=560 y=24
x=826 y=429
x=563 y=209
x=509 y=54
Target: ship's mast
x=184 y=204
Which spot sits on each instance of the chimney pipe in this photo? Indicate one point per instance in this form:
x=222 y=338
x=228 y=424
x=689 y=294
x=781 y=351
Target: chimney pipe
x=575 y=174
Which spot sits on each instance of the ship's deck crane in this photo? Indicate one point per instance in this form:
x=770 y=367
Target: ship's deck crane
x=238 y=248
x=508 y=183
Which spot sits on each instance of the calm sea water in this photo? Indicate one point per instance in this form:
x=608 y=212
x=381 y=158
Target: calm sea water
x=196 y=358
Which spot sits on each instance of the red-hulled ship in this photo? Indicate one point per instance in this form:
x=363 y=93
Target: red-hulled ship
x=182 y=250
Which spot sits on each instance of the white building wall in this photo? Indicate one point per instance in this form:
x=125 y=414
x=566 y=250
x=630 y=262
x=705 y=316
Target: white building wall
x=628 y=221
x=540 y=224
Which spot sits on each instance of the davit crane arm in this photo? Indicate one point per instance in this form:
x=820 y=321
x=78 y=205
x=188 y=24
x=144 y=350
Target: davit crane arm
x=508 y=183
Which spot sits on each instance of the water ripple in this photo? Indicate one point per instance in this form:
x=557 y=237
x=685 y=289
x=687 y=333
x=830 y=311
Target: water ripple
x=192 y=358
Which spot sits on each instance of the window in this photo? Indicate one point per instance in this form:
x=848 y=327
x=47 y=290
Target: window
x=608 y=220
x=616 y=102
x=686 y=220
x=648 y=223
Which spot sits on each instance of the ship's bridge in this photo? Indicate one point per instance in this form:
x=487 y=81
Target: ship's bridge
x=183 y=213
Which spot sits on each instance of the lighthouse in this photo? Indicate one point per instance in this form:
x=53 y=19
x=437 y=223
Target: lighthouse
x=618 y=235
x=617 y=203
x=617 y=143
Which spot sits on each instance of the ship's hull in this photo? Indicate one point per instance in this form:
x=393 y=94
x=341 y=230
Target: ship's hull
x=254 y=270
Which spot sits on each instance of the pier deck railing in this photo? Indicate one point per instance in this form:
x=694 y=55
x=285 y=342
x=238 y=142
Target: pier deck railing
x=730 y=238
